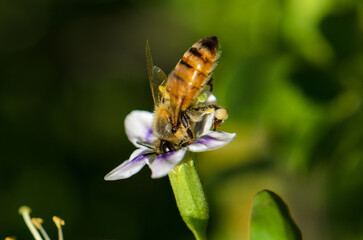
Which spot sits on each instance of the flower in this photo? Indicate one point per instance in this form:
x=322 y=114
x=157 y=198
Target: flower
x=138 y=126
x=35 y=225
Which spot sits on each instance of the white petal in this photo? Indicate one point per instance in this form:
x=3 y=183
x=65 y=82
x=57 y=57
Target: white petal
x=128 y=168
x=210 y=97
x=164 y=163
x=207 y=121
x=205 y=125
x=138 y=127
x=211 y=140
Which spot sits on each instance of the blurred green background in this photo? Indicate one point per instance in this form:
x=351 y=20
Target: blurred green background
x=290 y=74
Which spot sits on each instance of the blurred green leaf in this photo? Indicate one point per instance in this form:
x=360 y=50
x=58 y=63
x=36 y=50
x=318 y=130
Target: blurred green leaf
x=271 y=218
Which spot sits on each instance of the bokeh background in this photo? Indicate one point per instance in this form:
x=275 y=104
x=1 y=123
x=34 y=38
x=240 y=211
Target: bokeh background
x=290 y=74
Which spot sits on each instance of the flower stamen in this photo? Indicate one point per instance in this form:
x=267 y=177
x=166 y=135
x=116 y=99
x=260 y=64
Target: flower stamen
x=59 y=223
x=38 y=224
x=25 y=212
x=10 y=238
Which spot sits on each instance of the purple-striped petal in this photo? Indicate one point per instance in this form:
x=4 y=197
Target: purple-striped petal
x=128 y=168
x=164 y=163
x=138 y=127
x=211 y=140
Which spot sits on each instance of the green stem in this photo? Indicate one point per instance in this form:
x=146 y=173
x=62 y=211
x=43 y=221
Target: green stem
x=190 y=197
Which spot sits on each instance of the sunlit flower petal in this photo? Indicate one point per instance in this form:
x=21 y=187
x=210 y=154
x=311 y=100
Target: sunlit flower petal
x=211 y=140
x=130 y=167
x=138 y=127
x=164 y=163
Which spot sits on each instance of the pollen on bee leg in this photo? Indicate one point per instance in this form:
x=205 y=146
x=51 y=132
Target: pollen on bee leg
x=209 y=111
x=162 y=89
x=221 y=114
x=202 y=97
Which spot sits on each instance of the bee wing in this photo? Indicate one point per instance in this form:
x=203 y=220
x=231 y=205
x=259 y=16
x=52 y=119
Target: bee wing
x=155 y=75
x=159 y=79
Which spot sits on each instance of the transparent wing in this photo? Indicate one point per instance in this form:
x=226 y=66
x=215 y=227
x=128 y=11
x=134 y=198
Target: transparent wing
x=155 y=75
x=159 y=79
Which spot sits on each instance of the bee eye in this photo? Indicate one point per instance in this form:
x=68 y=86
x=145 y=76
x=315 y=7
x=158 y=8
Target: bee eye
x=166 y=147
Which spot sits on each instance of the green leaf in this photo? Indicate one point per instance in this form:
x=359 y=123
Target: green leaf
x=190 y=198
x=271 y=219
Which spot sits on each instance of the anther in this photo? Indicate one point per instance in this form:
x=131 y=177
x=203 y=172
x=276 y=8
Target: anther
x=38 y=224
x=59 y=223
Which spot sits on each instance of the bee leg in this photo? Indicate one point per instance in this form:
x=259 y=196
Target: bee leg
x=216 y=123
x=210 y=84
x=190 y=134
x=220 y=114
x=185 y=143
x=206 y=108
x=185 y=119
x=175 y=128
x=145 y=144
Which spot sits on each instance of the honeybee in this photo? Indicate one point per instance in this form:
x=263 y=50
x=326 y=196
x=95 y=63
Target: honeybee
x=177 y=110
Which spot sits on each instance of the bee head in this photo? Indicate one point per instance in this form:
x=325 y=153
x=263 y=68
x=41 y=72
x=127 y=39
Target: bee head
x=163 y=124
x=162 y=146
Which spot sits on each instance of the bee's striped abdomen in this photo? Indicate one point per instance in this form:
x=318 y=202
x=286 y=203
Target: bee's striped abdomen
x=191 y=75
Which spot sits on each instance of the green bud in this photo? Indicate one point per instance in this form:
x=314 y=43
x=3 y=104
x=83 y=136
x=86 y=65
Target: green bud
x=271 y=219
x=190 y=198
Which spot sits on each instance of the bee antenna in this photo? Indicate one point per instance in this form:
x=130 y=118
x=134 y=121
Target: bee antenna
x=147 y=145
x=149 y=153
